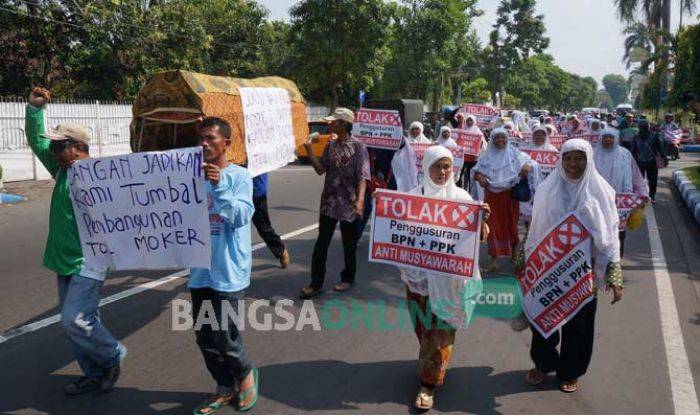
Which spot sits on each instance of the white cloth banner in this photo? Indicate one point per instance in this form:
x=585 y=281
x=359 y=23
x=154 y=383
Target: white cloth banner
x=427 y=234
x=557 y=279
x=142 y=210
x=269 y=136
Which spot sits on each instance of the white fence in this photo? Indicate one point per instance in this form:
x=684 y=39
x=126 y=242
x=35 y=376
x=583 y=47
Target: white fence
x=107 y=122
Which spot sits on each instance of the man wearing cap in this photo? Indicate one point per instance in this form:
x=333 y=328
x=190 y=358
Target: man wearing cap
x=628 y=122
x=345 y=162
x=98 y=353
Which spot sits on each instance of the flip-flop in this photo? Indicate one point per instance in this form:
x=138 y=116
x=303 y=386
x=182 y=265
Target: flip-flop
x=312 y=294
x=424 y=397
x=571 y=388
x=340 y=290
x=243 y=395
x=212 y=406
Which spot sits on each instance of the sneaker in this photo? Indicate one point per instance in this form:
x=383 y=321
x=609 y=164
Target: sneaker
x=112 y=374
x=285 y=259
x=81 y=386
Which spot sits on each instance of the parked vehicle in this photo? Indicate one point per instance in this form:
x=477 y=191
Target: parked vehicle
x=410 y=110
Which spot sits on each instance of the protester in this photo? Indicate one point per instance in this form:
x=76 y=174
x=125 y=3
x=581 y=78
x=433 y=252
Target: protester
x=669 y=123
x=627 y=122
x=610 y=120
x=498 y=171
x=445 y=138
x=345 y=163
x=469 y=160
x=594 y=127
x=98 y=353
x=415 y=134
x=261 y=220
x=575 y=186
x=540 y=140
x=616 y=165
x=451 y=301
x=519 y=122
x=221 y=287
x=648 y=150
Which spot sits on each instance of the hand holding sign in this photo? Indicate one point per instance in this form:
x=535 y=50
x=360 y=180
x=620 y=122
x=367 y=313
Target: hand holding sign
x=212 y=172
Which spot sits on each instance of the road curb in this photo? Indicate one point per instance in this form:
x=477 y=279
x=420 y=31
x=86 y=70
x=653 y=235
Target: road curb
x=690 y=194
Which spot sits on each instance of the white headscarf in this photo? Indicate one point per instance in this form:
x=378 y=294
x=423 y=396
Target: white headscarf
x=451 y=299
x=474 y=129
x=421 y=139
x=591 y=130
x=546 y=145
x=449 y=141
x=501 y=166
x=615 y=163
x=519 y=122
x=591 y=197
x=404 y=167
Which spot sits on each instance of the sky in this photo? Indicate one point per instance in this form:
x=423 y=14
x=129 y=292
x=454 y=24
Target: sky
x=585 y=35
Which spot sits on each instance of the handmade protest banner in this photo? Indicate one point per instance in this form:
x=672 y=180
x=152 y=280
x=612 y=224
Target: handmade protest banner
x=557 y=278
x=546 y=158
x=484 y=114
x=378 y=128
x=419 y=151
x=457 y=157
x=269 y=138
x=142 y=210
x=427 y=234
x=626 y=202
x=470 y=142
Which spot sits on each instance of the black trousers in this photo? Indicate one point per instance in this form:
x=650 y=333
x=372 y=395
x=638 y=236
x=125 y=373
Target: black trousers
x=622 y=235
x=576 y=346
x=261 y=220
x=464 y=176
x=221 y=345
x=651 y=172
x=348 y=231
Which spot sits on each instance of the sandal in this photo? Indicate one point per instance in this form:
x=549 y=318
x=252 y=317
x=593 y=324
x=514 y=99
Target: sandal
x=212 y=404
x=569 y=386
x=310 y=292
x=343 y=286
x=425 y=399
x=534 y=377
x=244 y=395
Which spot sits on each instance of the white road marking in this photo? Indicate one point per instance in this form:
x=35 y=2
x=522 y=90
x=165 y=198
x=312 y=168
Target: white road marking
x=685 y=400
x=37 y=325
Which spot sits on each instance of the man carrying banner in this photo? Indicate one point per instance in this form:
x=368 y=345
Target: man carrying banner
x=221 y=287
x=580 y=201
x=98 y=353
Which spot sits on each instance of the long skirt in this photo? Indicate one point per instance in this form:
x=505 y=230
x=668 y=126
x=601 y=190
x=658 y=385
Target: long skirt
x=503 y=223
x=435 y=341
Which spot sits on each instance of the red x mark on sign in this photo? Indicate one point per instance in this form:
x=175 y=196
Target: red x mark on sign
x=463 y=216
x=570 y=233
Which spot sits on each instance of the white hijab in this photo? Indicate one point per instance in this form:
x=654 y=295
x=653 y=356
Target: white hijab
x=449 y=141
x=421 y=139
x=474 y=129
x=546 y=145
x=591 y=197
x=501 y=166
x=519 y=122
x=596 y=131
x=404 y=167
x=451 y=299
x=614 y=164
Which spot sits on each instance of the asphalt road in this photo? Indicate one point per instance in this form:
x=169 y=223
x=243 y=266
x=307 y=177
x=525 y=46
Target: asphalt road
x=646 y=358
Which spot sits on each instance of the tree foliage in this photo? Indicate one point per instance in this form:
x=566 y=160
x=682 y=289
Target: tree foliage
x=687 y=69
x=618 y=89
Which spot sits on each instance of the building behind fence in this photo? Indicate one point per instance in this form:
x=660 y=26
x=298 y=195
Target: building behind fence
x=108 y=122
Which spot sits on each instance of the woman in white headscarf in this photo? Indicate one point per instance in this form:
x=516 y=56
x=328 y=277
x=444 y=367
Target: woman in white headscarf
x=500 y=168
x=519 y=122
x=594 y=127
x=415 y=134
x=469 y=125
x=616 y=164
x=447 y=303
x=445 y=138
x=540 y=140
x=575 y=186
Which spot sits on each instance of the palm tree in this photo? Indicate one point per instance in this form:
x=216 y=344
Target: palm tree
x=639 y=38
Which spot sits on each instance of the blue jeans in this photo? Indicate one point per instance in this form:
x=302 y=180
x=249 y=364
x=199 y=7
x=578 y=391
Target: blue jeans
x=94 y=347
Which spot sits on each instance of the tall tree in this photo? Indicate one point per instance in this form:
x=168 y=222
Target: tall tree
x=616 y=86
x=343 y=44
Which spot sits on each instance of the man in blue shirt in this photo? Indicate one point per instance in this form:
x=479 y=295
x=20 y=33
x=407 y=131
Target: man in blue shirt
x=261 y=220
x=220 y=288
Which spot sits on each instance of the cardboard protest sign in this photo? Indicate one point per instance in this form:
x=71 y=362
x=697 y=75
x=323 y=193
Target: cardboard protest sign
x=457 y=157
x=142 y=210
x=427 y=234
x=419 y=151
x=378 y=128
x=485 y=114
x=546 y=158
x=269 y=137
x=470 y=142
x=626 y=202
x=526 y=138
x=557 y=279
x=591 y=138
